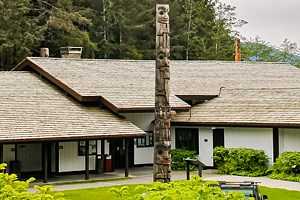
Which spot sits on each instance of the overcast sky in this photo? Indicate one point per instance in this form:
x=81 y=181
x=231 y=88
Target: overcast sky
x=271 y=20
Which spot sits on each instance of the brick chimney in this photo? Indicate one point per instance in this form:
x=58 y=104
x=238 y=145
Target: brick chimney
x=70 y=52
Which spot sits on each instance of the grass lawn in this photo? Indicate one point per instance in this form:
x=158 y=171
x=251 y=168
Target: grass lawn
x=102 y=193
x=277 y=194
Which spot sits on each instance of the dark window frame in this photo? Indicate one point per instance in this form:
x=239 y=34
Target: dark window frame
x=92 y=147
x=146 y=141
x=187 y=138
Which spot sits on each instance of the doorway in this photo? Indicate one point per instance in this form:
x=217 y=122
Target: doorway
x=218 y=137
x=117 y=148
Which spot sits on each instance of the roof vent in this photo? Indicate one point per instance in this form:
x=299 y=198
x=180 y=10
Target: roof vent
x=70 y=52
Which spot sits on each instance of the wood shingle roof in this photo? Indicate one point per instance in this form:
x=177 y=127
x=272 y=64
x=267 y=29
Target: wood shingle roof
x=121 y=85
x=33 y=110
x=235 y=86
x=251 y=107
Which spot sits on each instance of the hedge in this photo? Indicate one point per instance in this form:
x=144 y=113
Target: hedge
x=240 y=161
x=286 y=167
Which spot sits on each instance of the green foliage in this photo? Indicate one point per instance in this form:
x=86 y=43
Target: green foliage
x=102 y=193
x=120 y=192
x=19 y=33
x=13 y=189
x=240 y=161
x=259 y=50
x=195 y=188
x=178 y=156
x=278 y=194
x=115 y=29
x=282 y=168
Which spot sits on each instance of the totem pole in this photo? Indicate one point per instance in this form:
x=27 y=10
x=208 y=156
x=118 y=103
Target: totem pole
x=237 y=50
x=163 y=114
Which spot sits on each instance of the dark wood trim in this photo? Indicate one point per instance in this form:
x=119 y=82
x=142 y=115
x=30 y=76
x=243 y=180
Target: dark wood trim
x=16 y=152
x=87 y=160
x=103 y=154
x=149 y=109
x=45 y=149
x=102 y=147
x=237 y=124
x=56 y=149
x=275 y=144
x=126 y=157
x=69 y=139
x=197 y=97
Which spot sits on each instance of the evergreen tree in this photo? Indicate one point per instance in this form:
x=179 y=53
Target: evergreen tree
x=20 y=34
x=66 y=25
x=199 y=29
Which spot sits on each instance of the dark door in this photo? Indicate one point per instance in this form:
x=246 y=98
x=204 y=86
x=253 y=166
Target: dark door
x=218 y=137
x=117 y=148
x=187 y=138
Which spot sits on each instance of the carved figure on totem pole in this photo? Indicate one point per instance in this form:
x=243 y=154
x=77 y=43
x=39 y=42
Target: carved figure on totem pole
x=162 y=139
x=163 y=158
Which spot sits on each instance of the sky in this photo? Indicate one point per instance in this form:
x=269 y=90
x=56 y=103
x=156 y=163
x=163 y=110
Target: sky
x=272 y=20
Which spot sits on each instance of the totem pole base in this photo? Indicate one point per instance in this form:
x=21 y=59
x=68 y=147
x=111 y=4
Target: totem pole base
x=162 y=178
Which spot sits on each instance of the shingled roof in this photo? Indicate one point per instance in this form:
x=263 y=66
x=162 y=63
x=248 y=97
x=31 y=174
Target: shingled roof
x=125 y=85
x=120 y=85
x=275 y=107
x=33 y=110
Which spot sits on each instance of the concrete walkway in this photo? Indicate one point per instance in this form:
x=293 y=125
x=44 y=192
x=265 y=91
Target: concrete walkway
x=143 y=175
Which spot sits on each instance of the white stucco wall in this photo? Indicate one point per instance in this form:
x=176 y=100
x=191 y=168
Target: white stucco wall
x=205 y=143
x=69 y=159
x=141 y=120
x=256 y=138
x=106 y=147
x=206 y=146
x=289 y=140
x=142 y=155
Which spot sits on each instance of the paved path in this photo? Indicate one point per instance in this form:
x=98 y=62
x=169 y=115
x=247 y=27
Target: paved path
x=143 y=175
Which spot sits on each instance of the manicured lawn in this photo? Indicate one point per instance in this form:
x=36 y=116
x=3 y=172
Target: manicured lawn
x=102 y=193
x=95 y=193
x=277 y=194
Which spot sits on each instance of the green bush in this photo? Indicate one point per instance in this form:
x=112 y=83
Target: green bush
x=195 y=188
x=178 y=156
x=12 y=188
x=282 y=168
x=240 y=161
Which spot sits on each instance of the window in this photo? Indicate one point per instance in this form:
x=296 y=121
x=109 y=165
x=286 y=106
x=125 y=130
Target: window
x=92 y=147
x=187 y=138
x=146 y=141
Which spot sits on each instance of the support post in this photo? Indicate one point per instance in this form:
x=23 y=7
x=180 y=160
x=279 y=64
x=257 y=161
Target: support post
x=87 y=160
x=56 y=146
x=162 y=135
x=187 y=171
x=45 y=161
x=275 y=144
x=126 y=158
x=103 y=154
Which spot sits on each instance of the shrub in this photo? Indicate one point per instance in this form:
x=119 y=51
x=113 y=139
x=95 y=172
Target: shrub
x=282 y=168
x=178 y=156
x=12 y=188
x=240 y=161
x=195 y=188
